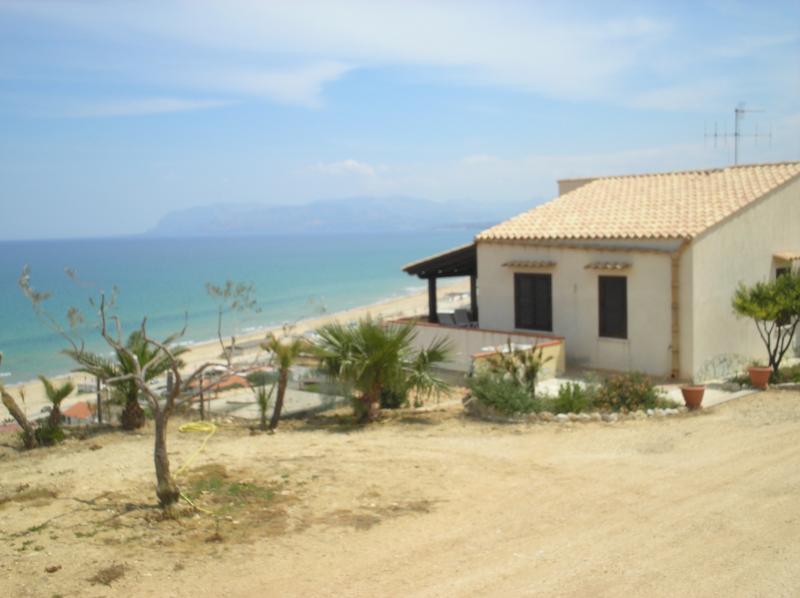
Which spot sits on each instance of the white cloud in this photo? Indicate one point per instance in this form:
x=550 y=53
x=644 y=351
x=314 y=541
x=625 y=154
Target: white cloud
x=140 y=106
x=347 y=167
x=299 y=85
x=524 y=47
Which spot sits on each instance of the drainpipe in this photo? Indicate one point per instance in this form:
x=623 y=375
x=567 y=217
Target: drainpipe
x=675 y=259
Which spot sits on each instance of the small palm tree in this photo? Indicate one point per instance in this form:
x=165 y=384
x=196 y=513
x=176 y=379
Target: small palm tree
x=133 y=416
x=285 y=353
x=55 y=394
x=372 y=357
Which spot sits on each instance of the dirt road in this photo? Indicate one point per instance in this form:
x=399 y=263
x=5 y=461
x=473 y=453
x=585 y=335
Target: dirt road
x=423 y=505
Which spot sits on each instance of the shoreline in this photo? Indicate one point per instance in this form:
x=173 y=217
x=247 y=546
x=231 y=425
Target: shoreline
x=410 y=304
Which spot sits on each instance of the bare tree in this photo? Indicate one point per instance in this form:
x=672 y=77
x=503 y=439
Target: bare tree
x=162 y=407
x=231 y=297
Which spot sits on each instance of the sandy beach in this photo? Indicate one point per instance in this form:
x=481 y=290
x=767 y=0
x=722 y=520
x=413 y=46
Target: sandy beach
x=450 y=295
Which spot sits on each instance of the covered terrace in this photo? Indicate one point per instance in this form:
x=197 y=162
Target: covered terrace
x=458 y=262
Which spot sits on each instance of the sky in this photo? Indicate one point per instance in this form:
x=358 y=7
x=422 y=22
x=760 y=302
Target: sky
x=114 y=113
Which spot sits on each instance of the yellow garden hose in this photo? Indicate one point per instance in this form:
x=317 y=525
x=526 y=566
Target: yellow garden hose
x=209 y=429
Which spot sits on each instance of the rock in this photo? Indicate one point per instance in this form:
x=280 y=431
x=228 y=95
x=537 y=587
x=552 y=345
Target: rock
x=596 y=417
x=52 y=568
x=546 y=416
x=682 y=409
x=573 y=417
x=639 y=415
x=650 y=412
x=583 y=417
x=562 y=417
x=610 y=417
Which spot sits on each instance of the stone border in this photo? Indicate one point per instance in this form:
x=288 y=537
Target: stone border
x=478 y=410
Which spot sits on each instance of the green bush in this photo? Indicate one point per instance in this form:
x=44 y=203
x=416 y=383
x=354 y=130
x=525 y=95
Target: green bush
x=628 y=392
x=504 y=394
x=572 y=398
x=393 y=399
x=788 y=374
x=49 y=435
x=261 y=378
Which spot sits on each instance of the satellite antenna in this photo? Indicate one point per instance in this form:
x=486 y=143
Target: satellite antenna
x=737 y=135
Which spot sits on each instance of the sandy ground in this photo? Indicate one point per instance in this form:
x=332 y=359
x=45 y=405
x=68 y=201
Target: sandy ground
x=421 y=504
x=409 y=305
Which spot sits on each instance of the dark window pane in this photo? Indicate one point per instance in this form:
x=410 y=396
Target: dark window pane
x=533 y=301
x=613 y=297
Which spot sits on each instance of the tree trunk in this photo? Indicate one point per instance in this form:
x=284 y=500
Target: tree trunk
x=54 y=421
x=28 y=436
x=283 y=379
x=166 y=489
x=372 y=405
x=99 y=402
x=132 y=417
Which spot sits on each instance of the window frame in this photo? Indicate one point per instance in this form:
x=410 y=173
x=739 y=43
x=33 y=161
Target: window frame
x=603 y=309
x=518 y=323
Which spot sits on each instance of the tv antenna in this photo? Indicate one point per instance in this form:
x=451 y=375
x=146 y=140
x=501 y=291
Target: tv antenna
x=738 y=114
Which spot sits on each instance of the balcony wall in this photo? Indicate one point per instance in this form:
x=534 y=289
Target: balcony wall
x=471 y=343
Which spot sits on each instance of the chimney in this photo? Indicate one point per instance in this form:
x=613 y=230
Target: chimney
x=567 y=185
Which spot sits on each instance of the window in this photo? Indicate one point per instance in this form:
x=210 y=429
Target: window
x=533 y=301
x=781 y=272
x=613 y=296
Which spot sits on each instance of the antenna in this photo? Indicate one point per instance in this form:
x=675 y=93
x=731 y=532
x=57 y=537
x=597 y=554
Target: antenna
x=738 y=114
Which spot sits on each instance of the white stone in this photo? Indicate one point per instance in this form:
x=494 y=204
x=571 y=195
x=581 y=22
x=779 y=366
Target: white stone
x=562 y=417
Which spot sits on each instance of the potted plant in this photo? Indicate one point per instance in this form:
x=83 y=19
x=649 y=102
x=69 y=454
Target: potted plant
x=693 y=395
x=759 y=376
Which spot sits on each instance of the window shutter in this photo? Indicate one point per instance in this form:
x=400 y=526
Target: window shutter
x=613 y=306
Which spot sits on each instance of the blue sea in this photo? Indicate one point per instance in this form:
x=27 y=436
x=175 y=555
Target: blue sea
x=294 y=277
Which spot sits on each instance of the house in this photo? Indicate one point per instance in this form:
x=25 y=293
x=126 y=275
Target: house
x=80 y=413
x=635 y=272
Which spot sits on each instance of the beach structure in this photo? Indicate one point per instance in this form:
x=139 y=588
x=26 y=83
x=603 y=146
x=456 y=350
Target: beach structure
x=79 y=413
x=630 y=272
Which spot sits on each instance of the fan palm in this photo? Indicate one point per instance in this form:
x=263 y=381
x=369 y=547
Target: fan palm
x=103 y=368
x=56 y=394
x=372 y=357
x=285 y=353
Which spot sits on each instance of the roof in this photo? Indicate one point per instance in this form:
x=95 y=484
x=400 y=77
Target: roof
x=461 y=261
x=78 y=411
x=670 y=205
x=787 y=256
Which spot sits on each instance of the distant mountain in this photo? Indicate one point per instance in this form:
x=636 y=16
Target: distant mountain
x=349 y=215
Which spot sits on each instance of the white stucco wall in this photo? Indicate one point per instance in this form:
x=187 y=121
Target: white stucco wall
x=738 y=250
x=575 y=303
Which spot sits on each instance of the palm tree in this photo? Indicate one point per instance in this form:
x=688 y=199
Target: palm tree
x=373 y=357
x=55 y=394
x=285 y=353
x=133 y=416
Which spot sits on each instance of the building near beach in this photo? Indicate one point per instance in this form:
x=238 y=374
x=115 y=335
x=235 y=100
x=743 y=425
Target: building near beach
x=634 y=272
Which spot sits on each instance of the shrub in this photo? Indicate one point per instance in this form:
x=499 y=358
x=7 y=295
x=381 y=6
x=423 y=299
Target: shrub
x=628 y=392
x=262 y=378
x=572 y=398
x=504 y=394
x=393 y=398
x=48 y=435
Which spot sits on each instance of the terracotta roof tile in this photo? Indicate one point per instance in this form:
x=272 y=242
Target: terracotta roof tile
x=646 y=206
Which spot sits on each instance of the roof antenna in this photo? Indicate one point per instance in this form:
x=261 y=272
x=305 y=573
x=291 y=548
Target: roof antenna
x=738 y=115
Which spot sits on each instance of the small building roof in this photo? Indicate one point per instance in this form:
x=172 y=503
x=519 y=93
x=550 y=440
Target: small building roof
x=461 y=261
x=670 y=205
x=79 y=410
x=787 y=256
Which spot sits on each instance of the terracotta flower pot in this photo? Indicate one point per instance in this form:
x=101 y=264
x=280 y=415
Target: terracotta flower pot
x=759 y=376
x=693 y=396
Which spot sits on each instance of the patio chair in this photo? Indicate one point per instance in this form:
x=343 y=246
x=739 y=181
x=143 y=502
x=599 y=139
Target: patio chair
x=462 y=318
x=447 y=319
